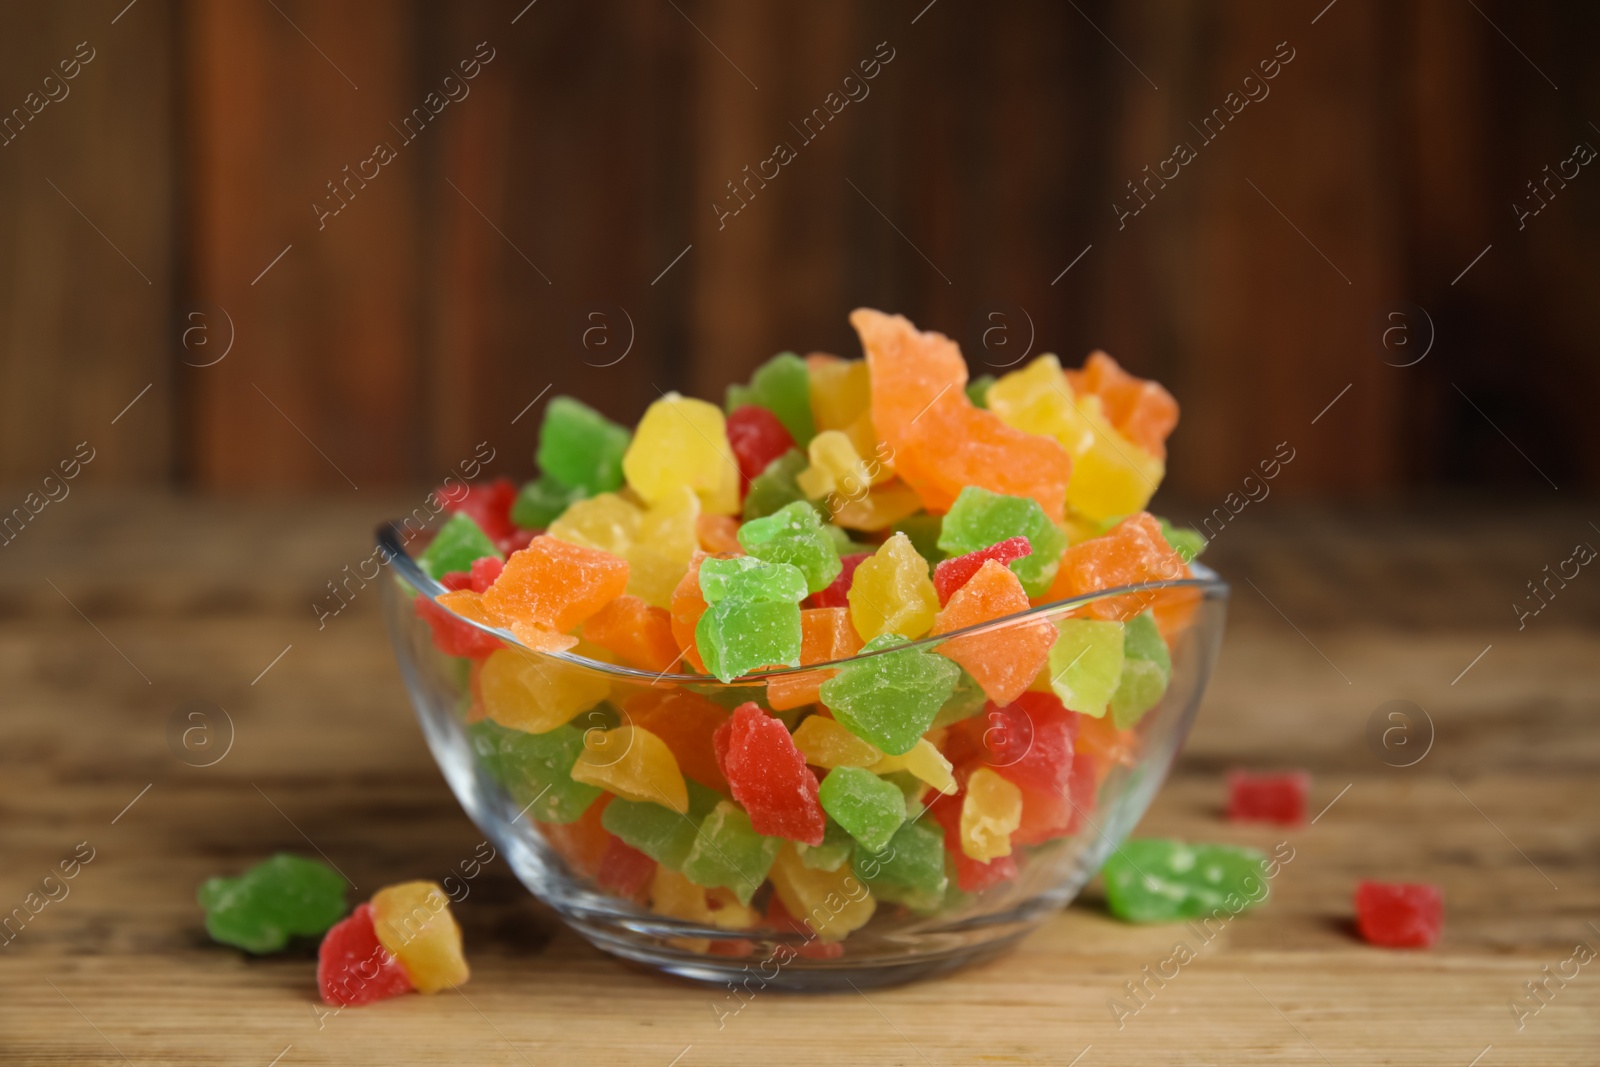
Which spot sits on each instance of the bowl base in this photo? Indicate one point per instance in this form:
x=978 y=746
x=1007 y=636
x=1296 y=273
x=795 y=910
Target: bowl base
x=743 y=976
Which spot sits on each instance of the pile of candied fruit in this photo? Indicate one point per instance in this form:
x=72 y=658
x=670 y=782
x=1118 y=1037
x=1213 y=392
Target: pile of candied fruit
x=831 y=515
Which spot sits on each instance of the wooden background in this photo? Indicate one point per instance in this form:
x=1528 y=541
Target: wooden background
x=456 y=286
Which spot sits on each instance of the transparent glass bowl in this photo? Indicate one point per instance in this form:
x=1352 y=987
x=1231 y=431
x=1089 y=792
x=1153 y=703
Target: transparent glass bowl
x=559 y=862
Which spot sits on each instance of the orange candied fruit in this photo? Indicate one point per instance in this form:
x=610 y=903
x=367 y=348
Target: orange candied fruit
x=941 y=442
x=552 y=586
x=1141 y=410
x=685 y=721
x=718 y=533
x=1003 y=662
x=826 y=634
x=1130 y=553
x=637 y=631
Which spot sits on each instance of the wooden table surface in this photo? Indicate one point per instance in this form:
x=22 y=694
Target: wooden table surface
x=116 y=609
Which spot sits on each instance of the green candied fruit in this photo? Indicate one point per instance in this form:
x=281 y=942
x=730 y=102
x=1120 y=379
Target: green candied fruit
x=870 y=808
x=978 y=390
x=833 y=853
x=794 y=534
x=980 y=518
x=911 y=788
x=581 y=448
x=1146 y=670
x=1151 y=880
x=659 y=832
x=965 y=701
x=285 y=896
x=777 y=486
x=842 y=542
x=541 y=502
x=923 y=531
x=458 y=542
x=535 y=769
x=735 y=636
x=751 y=578
x=1086 y=664
x=782 y=385
x=890 y=700
x=909 y=870
x=728 y=852
x=1186 y=541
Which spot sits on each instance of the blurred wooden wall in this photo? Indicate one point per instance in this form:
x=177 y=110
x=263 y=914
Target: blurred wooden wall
x=536 y=228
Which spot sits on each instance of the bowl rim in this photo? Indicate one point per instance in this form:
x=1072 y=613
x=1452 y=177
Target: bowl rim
x=1205 y=580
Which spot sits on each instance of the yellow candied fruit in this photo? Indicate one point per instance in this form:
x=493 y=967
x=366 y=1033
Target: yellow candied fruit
x=666 y=540
x=673 y=895
x=926 y=763
x=607 y=522
x=831 y=903
x=536 y=694
x=682 y=441
x=826 y=743
x=874 y=452
x=414 y=925
x=882 y=507
x=840 y=391
x=836 y=467
x=990 y=813
x=633 y=763
x=1111 y=475
x=892 y=593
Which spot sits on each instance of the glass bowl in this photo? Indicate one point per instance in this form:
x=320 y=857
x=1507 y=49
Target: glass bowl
x=565 y=863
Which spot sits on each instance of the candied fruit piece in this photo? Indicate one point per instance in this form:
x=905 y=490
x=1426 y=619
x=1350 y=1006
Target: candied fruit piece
x=1146 y=670
x=1086 y=664
x=1151 y=880
x=1004 y=661
x=826 y=634
x=638 y=632
x=633 y=763
x=282 y=897
x=769 y=776
x=580 y=447
x=414 y=924
x=979 y=519
x=782 y=385
x=837 y=594
x=830 y=902
x=552 y=586
x=793 y=534
x=624 y=870
x=686 y=722
x=870 y=808
x=681 y=441
x=890 y=699
x=1399 y=914
x=1274 y=798
x=757 y=438
x=892 y=593
x=458 y=543
x=535 y=769
x=827 y=744
x=536 y=694
x=662 y=834
x=729 y=853
x=952 y=573
x=1131 y=553
x=909 y=870
x=1141 y=410
x=1031 y=742
x=991 y=810
x=354 y=968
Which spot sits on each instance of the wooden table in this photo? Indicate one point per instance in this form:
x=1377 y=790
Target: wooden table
x=116 y=609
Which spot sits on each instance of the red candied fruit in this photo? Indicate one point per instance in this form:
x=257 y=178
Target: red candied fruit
x=836 y=595
x=951 y=574
x=1399 y=914
x=451 y=635
x=1274 y=798
x=757 y=438
x=485 y=569
x=487 y=505
x=769 y=776
x=354 y=968
x=972 y=876
x=1030 y=742
x=624 y=869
